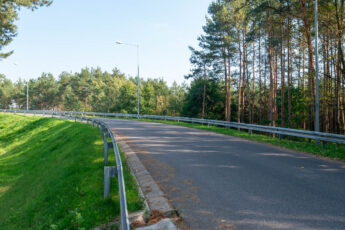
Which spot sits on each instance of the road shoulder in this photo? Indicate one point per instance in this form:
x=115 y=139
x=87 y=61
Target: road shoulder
x=158 y=205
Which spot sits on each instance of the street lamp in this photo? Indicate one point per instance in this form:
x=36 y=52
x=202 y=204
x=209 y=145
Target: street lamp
x=317 y=121
x=27 y=91
x=137 y=46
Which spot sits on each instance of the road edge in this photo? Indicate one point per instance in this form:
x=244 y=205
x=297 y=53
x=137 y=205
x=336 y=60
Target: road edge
x=154 y=196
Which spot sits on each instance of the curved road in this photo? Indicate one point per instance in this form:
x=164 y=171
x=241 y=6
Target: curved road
x=224 y=182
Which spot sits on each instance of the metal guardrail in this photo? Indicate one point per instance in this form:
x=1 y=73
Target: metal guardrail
x=281 y=132
x=108 y=171
x=317 y=136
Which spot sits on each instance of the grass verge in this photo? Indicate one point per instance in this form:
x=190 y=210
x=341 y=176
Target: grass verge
x=51 y=176
x=332 y=150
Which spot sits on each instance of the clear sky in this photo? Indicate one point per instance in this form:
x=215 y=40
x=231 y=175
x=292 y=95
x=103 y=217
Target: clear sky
x=72 y=34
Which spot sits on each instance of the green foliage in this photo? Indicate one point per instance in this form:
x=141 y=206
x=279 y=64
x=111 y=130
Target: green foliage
x=9 y=14
x=44 y=92
x=260 y=48
x=94 y=90
x=51 y=176
x=6 y=91
x=177 y=94
x=214 y=103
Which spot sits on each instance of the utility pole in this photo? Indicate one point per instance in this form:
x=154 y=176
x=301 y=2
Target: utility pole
x=138 y=80
x=27 y=95
x=317 y=116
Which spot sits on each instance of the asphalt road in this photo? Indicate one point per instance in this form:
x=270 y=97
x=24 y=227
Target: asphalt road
x=223 y=182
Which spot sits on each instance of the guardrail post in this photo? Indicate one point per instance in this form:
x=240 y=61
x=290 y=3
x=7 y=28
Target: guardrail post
x=280 y=136
x=208 y=124
x=323 y=144
x=109 y=171
x=107 y=146
x=250 y=131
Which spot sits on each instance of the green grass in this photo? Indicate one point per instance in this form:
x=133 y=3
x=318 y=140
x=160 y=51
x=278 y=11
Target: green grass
x=332 y=150
x=51 y=176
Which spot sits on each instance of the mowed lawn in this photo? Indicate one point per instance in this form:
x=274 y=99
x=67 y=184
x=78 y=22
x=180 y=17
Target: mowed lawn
x=51 y=175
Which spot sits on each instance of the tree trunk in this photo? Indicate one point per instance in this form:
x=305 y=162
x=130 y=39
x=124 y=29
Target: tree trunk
x=244 y=72
x=253 y=96
x=226 y=85
x=260 y=81
x=275 y=86
x=204 y=95
x=339 y=17
x=289 y=77
x=270 y=56
x=239 y=80
x=303 y=89
x=229 y=85
x=282 y=71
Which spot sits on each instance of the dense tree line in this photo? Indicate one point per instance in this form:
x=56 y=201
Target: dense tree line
x=93 y=90
x=261 y=52
x=254 y=63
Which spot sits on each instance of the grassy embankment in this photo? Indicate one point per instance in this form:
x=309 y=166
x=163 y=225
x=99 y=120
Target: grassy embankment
x=332 y=150
x=51 y=175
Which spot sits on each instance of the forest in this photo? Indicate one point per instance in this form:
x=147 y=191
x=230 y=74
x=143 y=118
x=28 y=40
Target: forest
x=262 y=52
x=93 y=90
x=255 y=63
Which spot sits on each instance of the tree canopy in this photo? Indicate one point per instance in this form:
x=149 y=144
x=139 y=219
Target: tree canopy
x=94 y=90
x=9 y=15
x=264 y=50
x=254 y=63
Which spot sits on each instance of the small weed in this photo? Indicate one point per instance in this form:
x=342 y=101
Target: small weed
x=77 y=219
x=181 y=213
x=146 y=215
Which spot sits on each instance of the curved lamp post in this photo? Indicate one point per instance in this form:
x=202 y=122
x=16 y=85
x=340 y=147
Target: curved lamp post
x=137 y=46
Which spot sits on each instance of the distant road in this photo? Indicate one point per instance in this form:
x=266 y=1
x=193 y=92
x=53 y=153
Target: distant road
x=224 y=182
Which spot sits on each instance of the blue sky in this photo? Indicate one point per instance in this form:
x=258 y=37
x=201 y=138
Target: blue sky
x=72 y=34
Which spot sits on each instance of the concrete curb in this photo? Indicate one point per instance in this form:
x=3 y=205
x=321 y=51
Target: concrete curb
x=152 y=193
x=165 y=224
